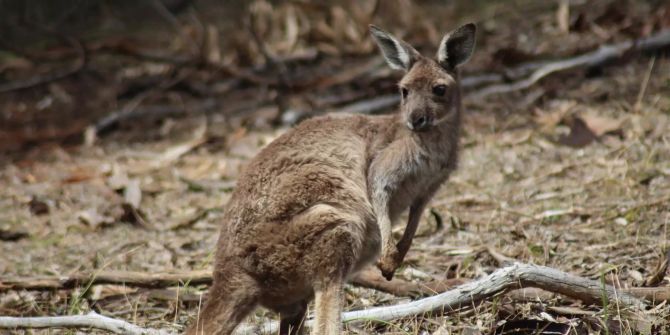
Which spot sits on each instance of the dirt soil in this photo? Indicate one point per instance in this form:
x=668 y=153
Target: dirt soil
x=577 y=179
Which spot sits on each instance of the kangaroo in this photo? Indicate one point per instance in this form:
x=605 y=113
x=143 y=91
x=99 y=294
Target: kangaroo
x=317 y=204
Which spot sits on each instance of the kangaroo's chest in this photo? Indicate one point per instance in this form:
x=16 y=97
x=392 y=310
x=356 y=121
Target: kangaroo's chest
x=419 y=185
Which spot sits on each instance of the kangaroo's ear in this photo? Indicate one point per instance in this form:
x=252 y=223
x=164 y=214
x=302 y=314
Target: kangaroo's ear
x=398 y=54
x=456 y=47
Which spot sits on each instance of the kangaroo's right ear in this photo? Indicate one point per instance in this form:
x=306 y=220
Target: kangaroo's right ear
x=398 y=54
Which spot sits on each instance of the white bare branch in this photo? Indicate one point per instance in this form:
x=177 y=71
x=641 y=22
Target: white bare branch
x=503 y=280
x=90 y=320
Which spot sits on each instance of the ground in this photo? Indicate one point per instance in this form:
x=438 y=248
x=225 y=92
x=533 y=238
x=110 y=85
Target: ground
x=578 y=180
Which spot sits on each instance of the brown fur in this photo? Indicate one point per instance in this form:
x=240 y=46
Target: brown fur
x=316 y=205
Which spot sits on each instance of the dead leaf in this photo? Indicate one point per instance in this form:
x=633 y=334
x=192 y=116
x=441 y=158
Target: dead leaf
x=580 y=134
x=601 y=125
x=78 y=175
x=93 y=219
x=133 y=215
x=38 y=206
x=119 y=178
x=132 y=194
x=9 y=235
x=15 y=63
x=527 y=326
x=563 y=16
x=660 y=272
x=548 y=120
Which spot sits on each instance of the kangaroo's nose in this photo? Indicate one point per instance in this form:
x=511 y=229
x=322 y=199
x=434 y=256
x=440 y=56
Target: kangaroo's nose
x=419 y=122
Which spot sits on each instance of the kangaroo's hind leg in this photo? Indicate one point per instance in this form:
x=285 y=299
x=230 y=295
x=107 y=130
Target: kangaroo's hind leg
x=328 y=304
x=230 y=300
x=293 y=318
x=340 y=248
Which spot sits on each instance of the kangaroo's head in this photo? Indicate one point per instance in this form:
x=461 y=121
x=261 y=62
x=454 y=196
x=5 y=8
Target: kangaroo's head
x=430 y=89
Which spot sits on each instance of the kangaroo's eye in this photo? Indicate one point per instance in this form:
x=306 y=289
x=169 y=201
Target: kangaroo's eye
x=439 y=90
x=404 y=92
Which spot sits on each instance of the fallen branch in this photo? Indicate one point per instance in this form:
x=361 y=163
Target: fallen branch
x=90 y=320
x=128 y=278
x=539 y=70
x=604 y=54
x=369 y=278
x=162 y=111
x=509 y=278
x=57 y=75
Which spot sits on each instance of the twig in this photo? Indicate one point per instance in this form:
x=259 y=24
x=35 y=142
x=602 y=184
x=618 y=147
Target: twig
x=90 y=320
x=509 y=278
x=602 y=55
x=372 y=278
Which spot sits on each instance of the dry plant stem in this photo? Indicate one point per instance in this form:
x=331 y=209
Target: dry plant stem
x=90 y=320
x=509 y=278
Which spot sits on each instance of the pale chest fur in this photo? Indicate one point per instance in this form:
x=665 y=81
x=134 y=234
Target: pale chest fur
x=422 y=184
x=420 y=168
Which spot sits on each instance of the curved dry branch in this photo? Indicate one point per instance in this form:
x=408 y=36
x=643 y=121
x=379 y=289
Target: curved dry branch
x=503 y=280
x=604 y=54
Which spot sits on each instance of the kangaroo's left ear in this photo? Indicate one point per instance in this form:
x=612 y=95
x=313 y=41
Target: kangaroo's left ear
x=398 y=54
x=456 y=47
